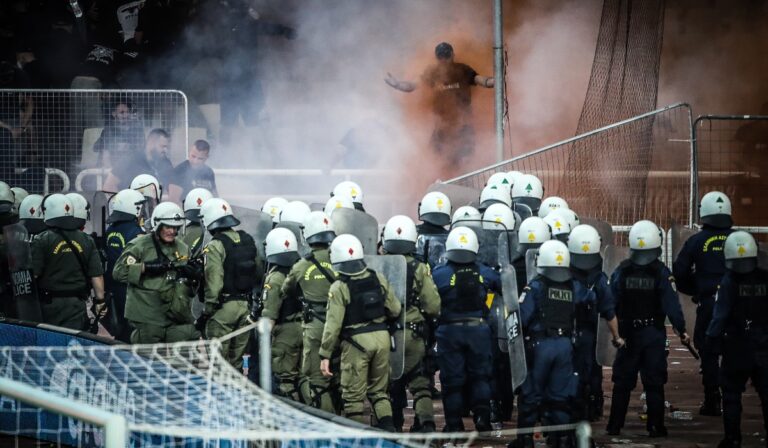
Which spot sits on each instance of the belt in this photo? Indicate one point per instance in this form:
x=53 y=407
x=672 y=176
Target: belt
x=466 y=321
x=642 y=323
x=235 y=298
x=78 y=293
x=552 y=333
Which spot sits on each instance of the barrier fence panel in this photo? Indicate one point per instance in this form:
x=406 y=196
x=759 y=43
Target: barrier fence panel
x=732 y=157
x=639 y=168
x=72 y=130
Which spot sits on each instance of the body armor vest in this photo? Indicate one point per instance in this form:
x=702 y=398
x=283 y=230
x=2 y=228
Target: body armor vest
x=366 y=299
x=556 y=310
x=239 y=264
x=468 y=292
x=640 y=299
x=750 y=308
x=291 y=303
x=412 y=298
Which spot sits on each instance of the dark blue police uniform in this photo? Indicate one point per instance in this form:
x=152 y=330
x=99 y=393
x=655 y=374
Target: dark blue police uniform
x=464 y=340
x=739 y=329
x=644 y=297
x=118 y=235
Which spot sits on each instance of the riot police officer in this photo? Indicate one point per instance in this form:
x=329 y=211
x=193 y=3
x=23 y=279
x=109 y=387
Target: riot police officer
x=273 y=207
x=464 y=337
x=423 y=303
x=230 y=277
x=533 y=232
x=193 y=231
x=527 y=193
x=123 y=228
x=434 y=213
x=31 y=214
x=360 y=303
x=547 y=312
x=739 y=330
x=281 y=250
x=309 y=280
x=67 y=265
x=155 y=268
x=698 y=269
x=7 y=217
x=645 y=295
x=350 y=190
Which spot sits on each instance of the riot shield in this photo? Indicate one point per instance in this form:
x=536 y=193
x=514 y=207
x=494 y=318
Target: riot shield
x=360 y=224
x=603 y=229
x=605 y=352
x=508 y=248
x=431 y=249
x=100 y=202
x=23 y=285
x=514 y=328
x=459 y=195
x=530 y=264
x=523 y=211
x=679 y=235
x=488 y=251
x=255 y=222
x=393 y=268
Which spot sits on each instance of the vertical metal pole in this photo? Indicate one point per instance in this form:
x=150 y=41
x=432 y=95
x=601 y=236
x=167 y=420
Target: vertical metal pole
x=265 y=354
x=498 y=75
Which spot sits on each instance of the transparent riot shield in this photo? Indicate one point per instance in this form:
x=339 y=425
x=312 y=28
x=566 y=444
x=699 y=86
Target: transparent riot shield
x=393 y=267
x=605 y=352
x=514 y=328
x=508 y=248
x=530 y=264
x=488 y=251
x=679 y=235
x=458 y=194
x=360 y=224
x=431 y=249
x=523 y=211
x=603 y=229
x=23 y=285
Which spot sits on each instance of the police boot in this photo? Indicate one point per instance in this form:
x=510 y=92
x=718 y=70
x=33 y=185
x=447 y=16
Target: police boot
x=425 y=427
x=522 y=441
x=482 y=418
x=655 y=399
x=729 y=442
x=386 y=424
x=619 y=406
x=712 y=403
x=496 y=419
x=595 y=407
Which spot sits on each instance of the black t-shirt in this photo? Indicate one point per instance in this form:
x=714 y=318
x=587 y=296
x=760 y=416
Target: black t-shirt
x=450 y=83
x=189 y=178
x=138 y=164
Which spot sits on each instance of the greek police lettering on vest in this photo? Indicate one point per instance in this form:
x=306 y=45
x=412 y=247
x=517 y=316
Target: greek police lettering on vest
x=463 y=337
x=548 y=312
x=230 y=277
x=739 y=331
x=281 y=250
x=359 y=304
x=698 y=269
x=645 y=296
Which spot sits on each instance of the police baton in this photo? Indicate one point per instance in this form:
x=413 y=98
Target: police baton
x=692 y=350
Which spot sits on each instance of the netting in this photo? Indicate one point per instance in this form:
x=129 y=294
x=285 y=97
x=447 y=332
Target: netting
x=76 y=130
x=731 y=157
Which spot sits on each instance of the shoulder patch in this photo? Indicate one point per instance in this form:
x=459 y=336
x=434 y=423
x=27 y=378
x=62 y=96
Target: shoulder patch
x=267 y=287
x=130 y=260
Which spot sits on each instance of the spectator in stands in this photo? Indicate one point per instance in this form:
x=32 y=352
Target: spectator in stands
x=122 y=136
x=193 y=172
x=153 y=160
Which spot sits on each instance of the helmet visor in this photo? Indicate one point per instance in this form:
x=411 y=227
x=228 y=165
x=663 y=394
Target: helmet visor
x=438 y=219
x=461 y=256
x=742 y=265
x=586 y=262
x=556 y=274
x=399 y=247
x=351 y=267
x=644 y=257
x=719 y=221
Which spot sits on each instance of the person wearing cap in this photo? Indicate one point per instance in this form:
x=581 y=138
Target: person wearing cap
x=309 y=281
x=154 y=266
x=230 y=278
x=463 y=335
x=67 y=265
x=450 y=83
x=739 y=331
x=123 y=228
x=7 y=216
x=698 y=269
x=360 y=302
x=645 y=297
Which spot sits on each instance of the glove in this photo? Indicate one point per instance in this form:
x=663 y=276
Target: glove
x=156 y=267
x=201 y=321
x=191 y=270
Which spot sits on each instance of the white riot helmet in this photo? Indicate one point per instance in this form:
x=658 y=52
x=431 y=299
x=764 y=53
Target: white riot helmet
x=337 y=202
x=6 y=198
x=568 y=215
x=500 y=179
x=273 y=207
x=551 y=204
x=461 y=246
x=18 y=195
x=715 y=210
x=347 y=255
x=499 y=217
x=435 y=208
x=399 y=235
x=467 y=214
x=58 y=211
x=82 y=209
x=318 y=228
x=584 y=245
x=31 y=213
x=148 y=185
x=167 y=214
x=528 y=190
x=513 y=176
x=281 y=247
x=494 y=194
x=216 y=213
x=351 y=190
x=295 y=212
x=553 y=261
x=194 y=201
x=126 y=206
x=644 y=242
x=560 y=227
x=533 y=232
x=740 y=252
